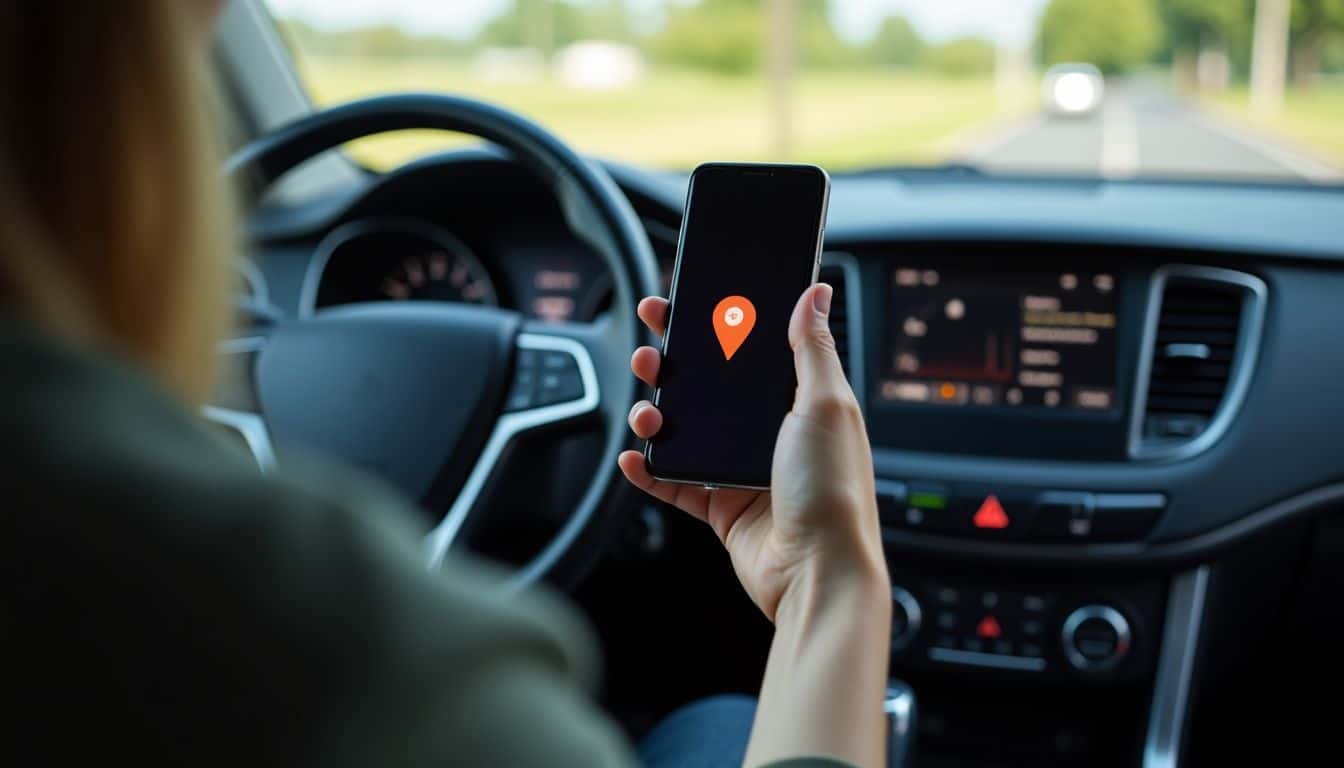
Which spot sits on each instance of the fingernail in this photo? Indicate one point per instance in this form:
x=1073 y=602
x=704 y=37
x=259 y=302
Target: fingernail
x=636 y=408
x=822 y=298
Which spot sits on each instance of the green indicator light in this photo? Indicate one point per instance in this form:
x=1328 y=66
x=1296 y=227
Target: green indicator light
x=926 y=500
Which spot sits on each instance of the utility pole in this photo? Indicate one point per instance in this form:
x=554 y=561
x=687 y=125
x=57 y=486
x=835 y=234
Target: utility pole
x=781 y=54
x=1269 y=56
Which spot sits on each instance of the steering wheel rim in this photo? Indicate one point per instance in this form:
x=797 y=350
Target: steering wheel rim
x=595 y=210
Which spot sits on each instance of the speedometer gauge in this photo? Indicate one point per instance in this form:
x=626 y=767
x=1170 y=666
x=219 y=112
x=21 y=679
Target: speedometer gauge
x=395 y=260
x=437 y=274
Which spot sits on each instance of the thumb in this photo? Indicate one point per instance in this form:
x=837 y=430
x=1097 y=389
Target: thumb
x=820 y=377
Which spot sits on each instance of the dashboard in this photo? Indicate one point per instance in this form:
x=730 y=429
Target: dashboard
x=1051 y=336
x=1082 y=396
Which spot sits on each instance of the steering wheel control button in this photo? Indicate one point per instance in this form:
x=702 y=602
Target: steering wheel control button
x=1096 y=638
x=522 y=395
x=543 y=378
x=906 y=618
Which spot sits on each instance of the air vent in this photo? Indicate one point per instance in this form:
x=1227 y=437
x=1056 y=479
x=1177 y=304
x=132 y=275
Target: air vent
x=835 y=274
x=1199 y=351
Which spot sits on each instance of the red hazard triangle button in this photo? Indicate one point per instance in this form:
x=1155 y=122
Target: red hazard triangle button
x=991 y=514
x=989 y=628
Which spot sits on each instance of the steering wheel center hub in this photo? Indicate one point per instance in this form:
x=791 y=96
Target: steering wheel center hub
x=401 y=390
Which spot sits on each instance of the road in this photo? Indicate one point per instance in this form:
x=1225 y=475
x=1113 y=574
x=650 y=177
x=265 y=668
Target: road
x=1144 y=130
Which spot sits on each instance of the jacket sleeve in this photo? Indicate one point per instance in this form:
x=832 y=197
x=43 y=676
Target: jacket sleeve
x=431 y=668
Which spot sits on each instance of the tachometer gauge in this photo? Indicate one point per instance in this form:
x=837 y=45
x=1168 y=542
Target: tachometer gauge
x=395 y=260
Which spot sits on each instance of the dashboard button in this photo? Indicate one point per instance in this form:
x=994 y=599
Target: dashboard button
x=906 y=618
x=993 y=513
x=1096 y=637
x=949 y=596
x=1065 y=515
x=1126 y=516
x=891 y=502
x=916 y=506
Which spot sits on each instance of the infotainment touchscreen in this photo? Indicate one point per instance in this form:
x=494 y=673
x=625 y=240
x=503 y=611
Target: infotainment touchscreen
x=1001 y=339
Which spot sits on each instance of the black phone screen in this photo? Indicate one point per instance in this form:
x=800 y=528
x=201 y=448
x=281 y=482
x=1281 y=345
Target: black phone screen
x=749 y=249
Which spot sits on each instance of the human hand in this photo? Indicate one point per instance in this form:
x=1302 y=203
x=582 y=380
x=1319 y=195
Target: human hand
x=817 y=526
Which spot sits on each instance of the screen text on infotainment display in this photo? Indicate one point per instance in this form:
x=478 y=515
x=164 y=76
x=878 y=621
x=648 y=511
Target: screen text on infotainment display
x=1035 y=339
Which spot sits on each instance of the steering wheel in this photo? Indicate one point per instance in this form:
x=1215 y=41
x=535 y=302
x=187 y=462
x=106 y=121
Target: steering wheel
x=420 y=391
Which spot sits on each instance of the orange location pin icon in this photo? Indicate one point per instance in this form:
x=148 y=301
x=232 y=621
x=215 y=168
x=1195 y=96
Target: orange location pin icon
x=734 y=318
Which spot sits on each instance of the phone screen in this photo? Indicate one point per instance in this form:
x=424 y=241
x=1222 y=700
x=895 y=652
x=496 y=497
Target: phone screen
x=749 y=249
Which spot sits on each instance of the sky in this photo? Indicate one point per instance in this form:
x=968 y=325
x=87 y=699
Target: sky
x=1008 y=22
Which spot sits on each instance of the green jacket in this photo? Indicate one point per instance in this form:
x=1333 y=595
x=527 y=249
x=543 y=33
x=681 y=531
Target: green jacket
x=171 y=605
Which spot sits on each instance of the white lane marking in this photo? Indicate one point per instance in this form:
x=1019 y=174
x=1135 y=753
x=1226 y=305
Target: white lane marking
x=1119 y=139
x=999 y=137
x=1300 y=164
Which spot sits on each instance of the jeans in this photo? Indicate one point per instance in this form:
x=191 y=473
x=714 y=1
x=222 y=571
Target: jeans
x=710 y=733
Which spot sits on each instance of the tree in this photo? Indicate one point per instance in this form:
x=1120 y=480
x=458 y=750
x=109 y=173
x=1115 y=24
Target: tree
x=724 y=36
x=542 y=24
x=818 y=44
x=896 y=45
x=1115 y=35
x=1315 y=25
x=1197 y=23
x=1205 y=28
x=728 y=36
x=962 y=57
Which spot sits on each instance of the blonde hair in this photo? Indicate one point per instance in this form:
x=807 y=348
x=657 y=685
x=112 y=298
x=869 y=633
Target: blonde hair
x=113 y=225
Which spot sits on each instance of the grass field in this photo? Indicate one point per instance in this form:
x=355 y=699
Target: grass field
x=677 y=119
x=1314 y=119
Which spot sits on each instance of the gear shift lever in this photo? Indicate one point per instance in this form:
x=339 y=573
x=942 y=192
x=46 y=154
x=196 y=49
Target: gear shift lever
x=900 y=710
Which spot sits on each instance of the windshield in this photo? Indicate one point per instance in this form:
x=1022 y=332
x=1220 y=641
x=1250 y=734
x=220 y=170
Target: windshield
x=1228 y=89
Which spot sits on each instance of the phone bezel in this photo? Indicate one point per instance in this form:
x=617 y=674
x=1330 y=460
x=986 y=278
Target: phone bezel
x=748 y=169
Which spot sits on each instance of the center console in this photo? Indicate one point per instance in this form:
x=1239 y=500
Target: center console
x=1025 y=402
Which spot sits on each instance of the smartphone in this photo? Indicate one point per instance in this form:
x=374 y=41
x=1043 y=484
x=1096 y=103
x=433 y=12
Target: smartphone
x=750 y=245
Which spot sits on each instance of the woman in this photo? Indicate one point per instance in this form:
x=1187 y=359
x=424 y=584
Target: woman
x=170 y=605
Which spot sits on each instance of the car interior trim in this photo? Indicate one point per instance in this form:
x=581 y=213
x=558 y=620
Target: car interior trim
x=1175 y=668
x=1239 y=376
x=240 y=345
x=509 y=426
x=975 y=659
x=256 y=281
x=251 y=427
x=257 y=64
x=1184 y=549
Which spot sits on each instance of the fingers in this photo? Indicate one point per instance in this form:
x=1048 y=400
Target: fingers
x=645 y=364
x=690 y=499
x=653 y=311
x=821 y=379
x=645 y=420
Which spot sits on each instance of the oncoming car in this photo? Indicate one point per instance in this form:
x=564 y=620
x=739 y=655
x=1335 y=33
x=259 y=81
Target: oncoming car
x=1073 y=89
